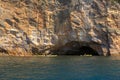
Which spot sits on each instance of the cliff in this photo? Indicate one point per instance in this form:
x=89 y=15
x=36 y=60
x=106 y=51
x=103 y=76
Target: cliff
x=58 y=26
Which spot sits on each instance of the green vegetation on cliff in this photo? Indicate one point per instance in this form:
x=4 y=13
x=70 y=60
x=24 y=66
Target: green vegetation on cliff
x=118 y=1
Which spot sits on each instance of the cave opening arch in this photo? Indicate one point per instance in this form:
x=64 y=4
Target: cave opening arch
x=79 y=48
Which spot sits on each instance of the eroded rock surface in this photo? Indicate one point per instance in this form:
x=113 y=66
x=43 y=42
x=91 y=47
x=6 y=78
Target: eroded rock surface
x=42 y=26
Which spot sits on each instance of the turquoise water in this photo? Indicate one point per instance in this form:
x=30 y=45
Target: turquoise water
x=60 y=68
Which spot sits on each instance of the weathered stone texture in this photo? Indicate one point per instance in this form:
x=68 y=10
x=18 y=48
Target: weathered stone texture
x=50 y=24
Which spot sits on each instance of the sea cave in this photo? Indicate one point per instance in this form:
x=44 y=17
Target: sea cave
x=80 y=49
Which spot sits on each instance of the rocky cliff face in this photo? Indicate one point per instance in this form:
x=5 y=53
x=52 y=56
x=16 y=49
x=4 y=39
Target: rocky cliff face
x=45 y=26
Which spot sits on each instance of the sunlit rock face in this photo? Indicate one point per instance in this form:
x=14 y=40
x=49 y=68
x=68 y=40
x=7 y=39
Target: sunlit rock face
x=42 y=26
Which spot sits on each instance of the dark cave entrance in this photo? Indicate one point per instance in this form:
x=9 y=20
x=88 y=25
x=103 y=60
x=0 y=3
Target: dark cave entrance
x=85 y=50
x=77 y=48
x=82 y=51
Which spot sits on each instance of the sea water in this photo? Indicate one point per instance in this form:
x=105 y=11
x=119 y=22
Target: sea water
x=60 y=68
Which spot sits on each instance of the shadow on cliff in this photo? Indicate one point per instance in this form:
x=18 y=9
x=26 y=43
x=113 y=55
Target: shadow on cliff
x=2 y=50
x=63 y=2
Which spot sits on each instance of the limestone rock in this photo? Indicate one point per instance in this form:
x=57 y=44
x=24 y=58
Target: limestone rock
x=50 y=24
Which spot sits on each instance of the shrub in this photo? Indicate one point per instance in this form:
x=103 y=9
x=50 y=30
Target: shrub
x=118 y=1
